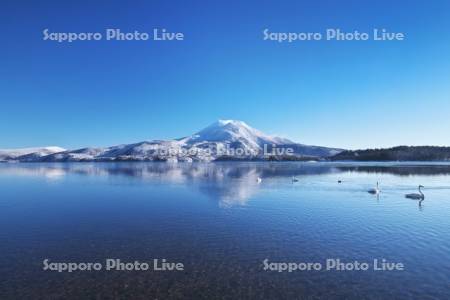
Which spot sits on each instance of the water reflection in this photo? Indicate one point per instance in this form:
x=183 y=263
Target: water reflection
x=92 y=211
x=229 y=183
x=401 y=170
x=420 y=205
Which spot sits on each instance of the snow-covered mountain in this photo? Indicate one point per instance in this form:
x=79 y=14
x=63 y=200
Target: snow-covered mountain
x=12 y=154
x=234 y=131
x=222 y=140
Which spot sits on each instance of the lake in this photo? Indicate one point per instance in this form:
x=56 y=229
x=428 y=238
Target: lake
x=222 y=223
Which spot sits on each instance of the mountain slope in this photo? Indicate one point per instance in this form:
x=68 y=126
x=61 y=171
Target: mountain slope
x=234 y=131
x=222 y=140
x=12 y=154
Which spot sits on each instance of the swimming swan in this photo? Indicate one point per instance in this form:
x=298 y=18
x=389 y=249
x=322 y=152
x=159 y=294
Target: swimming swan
x=416 y=196
x=374 y=191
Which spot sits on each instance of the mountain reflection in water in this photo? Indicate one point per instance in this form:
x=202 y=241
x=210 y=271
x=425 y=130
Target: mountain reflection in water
x=231 y=183
x=222 y=223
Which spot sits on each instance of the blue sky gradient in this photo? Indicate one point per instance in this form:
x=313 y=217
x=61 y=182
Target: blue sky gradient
x=352 y=94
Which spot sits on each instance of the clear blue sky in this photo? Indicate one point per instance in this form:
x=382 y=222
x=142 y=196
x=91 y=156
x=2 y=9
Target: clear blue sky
x=342 y=94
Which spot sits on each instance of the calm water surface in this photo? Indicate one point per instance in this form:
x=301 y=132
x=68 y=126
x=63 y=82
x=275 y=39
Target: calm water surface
x=221 y=224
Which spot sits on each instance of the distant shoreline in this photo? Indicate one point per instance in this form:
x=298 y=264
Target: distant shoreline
x=337 y=162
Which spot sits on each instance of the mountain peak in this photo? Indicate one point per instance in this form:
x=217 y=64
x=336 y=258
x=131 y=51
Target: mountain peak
x=231 y=131
x=234 y=125
x=221 y=122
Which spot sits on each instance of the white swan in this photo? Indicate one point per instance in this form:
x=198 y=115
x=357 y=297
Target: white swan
x=258 y=180
x=294 y=179
x=374 y=191
x=417 y=196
